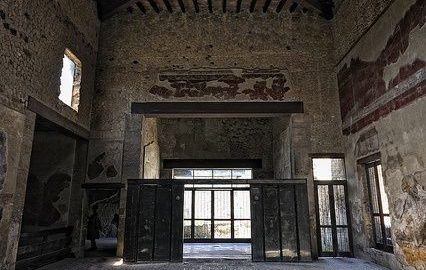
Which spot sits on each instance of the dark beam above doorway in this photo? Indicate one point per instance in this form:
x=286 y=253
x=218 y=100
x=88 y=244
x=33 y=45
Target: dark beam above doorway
x=216 y=109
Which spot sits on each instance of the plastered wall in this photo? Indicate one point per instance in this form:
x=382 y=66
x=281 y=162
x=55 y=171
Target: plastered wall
x=382 y=90
x=34 y=35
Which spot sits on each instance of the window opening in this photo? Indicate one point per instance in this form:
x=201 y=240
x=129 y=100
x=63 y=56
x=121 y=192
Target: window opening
x=70 y=80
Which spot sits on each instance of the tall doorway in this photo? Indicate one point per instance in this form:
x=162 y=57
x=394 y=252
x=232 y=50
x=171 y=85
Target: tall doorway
x=333 y=220
x=216 y=216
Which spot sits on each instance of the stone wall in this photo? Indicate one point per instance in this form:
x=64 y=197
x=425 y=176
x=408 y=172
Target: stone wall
x=144 y=58
x=227 y=138
x=151 y=149
x=382 y=90
x=183 y=57
x=34 y=35
x=282 y=152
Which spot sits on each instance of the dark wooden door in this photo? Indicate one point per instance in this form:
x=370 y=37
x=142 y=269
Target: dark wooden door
x=154 y=222
x=280 y=222
x=333 y=219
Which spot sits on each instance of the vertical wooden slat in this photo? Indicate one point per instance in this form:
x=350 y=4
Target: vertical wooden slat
x=146 y=227
x=176 y=243
x=257 y=236
x=163 y=224
x=303 y=223
x=333 y=219
x=272 y=224
x=289 y=245
x=130 y=236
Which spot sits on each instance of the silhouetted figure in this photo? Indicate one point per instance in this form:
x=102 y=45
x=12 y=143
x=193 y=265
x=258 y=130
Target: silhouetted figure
x=93 y=228
x=114 y=226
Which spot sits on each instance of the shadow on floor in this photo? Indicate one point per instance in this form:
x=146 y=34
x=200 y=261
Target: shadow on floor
x=106 y=247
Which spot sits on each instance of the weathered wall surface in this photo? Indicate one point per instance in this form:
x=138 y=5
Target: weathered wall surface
x=51 y=171
x=282 y=152
x=185 y=57
x=177 y=57
x=382 y=86
x=151 y=149
x=34 y=35
x=227 y=138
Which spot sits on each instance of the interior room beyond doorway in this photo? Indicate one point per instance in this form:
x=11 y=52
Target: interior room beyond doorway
x=217 y=221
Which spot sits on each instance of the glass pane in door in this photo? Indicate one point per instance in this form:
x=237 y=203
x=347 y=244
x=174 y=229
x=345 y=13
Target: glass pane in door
x=203 y=204
x=222 y=204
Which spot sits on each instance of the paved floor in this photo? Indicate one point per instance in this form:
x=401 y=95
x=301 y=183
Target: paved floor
x=217 y=250
x=116 y=263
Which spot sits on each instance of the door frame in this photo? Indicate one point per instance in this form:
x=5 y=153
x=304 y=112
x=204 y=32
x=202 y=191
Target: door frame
x=330 y=184
x=212 y=239
x=258 y=208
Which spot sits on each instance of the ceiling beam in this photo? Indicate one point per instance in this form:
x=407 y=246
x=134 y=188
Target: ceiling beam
x=280 y=6
x=239 y=6
x=266 y=5
x=252 y=5
x=182 y=6
x=293 y=7
x=154 y=6
x=196 y=7
x=117 y=9
x=141 y=7
x=210 y=6
x=168 y=6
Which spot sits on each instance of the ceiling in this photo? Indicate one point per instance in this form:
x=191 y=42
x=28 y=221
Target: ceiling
x=107 y=8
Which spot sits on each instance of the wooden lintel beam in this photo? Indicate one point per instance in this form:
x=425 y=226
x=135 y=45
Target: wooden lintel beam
x=215 y=108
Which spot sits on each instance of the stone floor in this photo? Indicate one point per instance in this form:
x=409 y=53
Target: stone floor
x=217 y=250
x=116 y=263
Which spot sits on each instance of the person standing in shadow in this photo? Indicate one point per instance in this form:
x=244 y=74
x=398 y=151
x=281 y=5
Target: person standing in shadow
x=93 y=228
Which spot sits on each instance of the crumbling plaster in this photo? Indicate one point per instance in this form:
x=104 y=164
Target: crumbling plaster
x=127 y=68
x=396 y=129
x=136 y=50
x=34 y=35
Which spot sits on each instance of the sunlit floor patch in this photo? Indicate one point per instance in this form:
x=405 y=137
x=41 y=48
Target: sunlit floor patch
x=238 y=251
